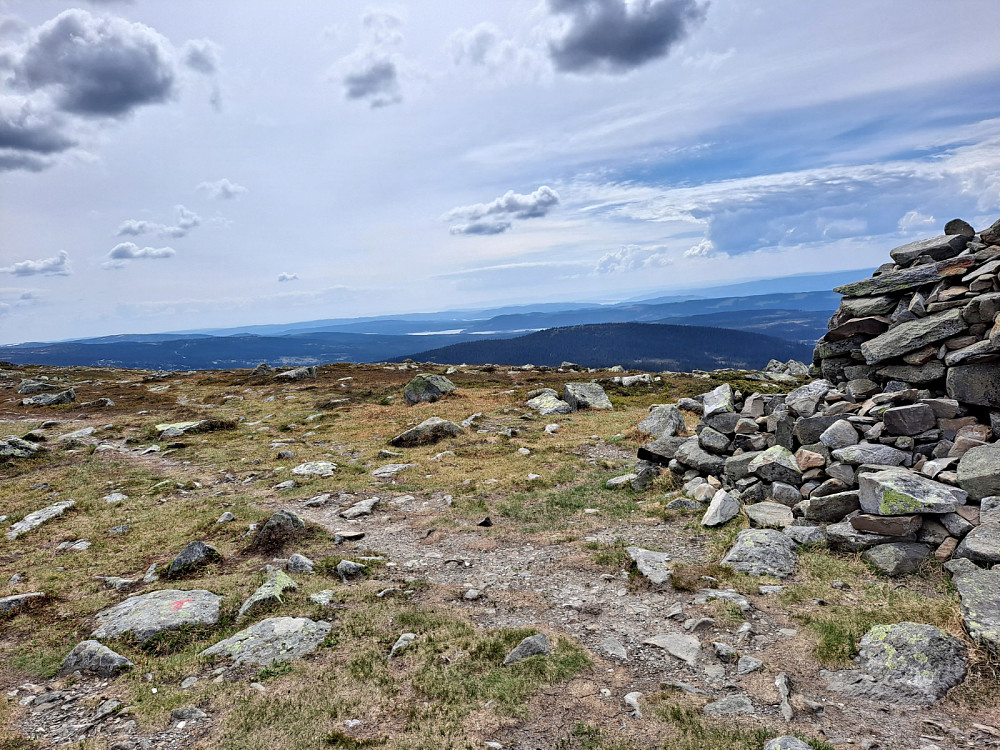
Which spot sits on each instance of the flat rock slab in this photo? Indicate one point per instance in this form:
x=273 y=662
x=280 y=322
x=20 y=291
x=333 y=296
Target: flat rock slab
x=731 y=705
x=388 y=471
x=897 y=558
x=982 y=544
x=277 y=639
x=843 y=536
x=533 y=645
x=680 y=646
x=786 y=743
x=147 y=615
x=912 y=335
x=907 y=663
x=898 y=492
x=269 y=593
x=870 y=453
x=771 y=515
x=11 y=605
x=36 y=519
x=94 y=657
x=429 y=431
x=315 y=469
x=977 y=589
x=360 y=509
x=979 y=471
x=762 y=552
x=653 y=565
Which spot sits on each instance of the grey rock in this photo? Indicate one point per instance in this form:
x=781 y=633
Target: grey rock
x=913 y=335
x=691 y=405
x=324 y=598
x=147 y=615
x=843 y=536
x=14 y=447
x=718 y=401
x=898 y=492
x=277 y=639
x=786 y=494
x=989 y=509
x=806 y=534
x=738 y=467
x=662 y=450
x=268 y=594
x=899 y=526
x=776 y=464
x=427 y=388
x=534 y=645
x=691 y=454
x=226 y=517
x=977 y=590
x=829 y=508
x=195 y=555
x=549 y=403
x=762 y=552
x=809 y=429
x=979 y=471
x=731 y=705
x=937 y=248
x=982 y=544
x=680 y=646
x=315 y=468
x=960 y=227
x=713 y=440
x=586 y=396
x=897 y=558
x=299 y=373
x=840 y=434
x=748 y=664
x=871 y=453
x=786 y=743
x=187 y=713
x=16 y=603
x=401 y=644
x=770 y=515
x=51 y=399
x=724 y=507
x=653 y=565
x=906 y=663
x=37 y=518
x=614 y=648
x=93 y=657
x=360 y=509
x=664 y=420
x=300 y=564
x=625 y=480
x=389 y=471
x=908 y=278
x=429 y=431
x=911 y=419
x=977 y=384
x=282 y=527
x=804 y=399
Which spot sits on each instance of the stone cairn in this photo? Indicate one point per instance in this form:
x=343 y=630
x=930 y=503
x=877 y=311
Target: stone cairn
x=893 y=450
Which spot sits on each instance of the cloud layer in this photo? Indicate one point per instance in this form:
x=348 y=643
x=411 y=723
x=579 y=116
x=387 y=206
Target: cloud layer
x=497 y=216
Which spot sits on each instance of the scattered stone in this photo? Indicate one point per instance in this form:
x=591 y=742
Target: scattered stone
x=360 y=509
x=548 y=403
x=663 y=421
x=762 y=552
x=299 y=373
x=982 y=544
x=980 y=606
x=535 y=645
x=680 y=646
x=147 y=615
x=400 y=645
x=300 y=564
x=427 y=388
x=16 y=603
x=389 y=471
x=194 y=556
x=267 y=594
x=748 y=664
x=51 y=399
x=325 y=598
x=14 y=447
x=429 y=431
x=724 y=507
x=897 y=558
x=586 y=396
x=315 y=468
x=271 y=641
x=786 y=743
x=38 y=517
x=281 y=528
x=653 y=565
x=731 y=705
x=226 y=517
x=93 y=657
x=769 y=515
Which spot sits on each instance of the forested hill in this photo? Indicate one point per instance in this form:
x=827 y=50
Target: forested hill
x=642 y=346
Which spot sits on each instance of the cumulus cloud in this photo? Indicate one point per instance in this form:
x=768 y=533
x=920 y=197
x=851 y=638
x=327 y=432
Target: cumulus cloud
x=372 y=72
x=223 y=189
x=135 y=228
x=186 y=221
x=57 y=266
x=74 y=71
x=633 y=258
x=913 y=220
x=485 y=47
x=617 y=36
x=284 y=276
x=125 y=251
x=701 y=250
x=496 y=216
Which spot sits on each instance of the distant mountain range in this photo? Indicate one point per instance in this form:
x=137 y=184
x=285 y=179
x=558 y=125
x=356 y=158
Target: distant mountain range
x=779 y=320
x=638 y=346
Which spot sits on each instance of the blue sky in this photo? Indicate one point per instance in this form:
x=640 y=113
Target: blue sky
x=168 y=166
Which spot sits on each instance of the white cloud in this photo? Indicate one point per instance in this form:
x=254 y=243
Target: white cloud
x=373 y=71
x=285 y=276
x=496 y=216
x=486 y=48
x=913 y=220
x=224 y=189
x=57 y=266
x=123 y=252
x=186 y=221
x=633 y=258
x=701 y=250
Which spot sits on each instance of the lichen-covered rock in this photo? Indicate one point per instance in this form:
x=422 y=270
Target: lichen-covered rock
x=908 y=663
x=786 y=743
x=427 y=388
x=14 y=447
x=804 y=399
x=982 y=544
x=777 y=464
x=267 y=594
x=299 y=373
x=277 y=639
x=898 y=492
x=871 y=453
x=429 y=431
x=548 y=403
x=96 y=658
x=718 y=401
x=977 y=590
x=147 y=615
x=762 y=552
x=38 y=517
x=315 y=468
x=586 y=396
x=979 y=471
x=51 y=399
x=897 y=558
x=663 y=421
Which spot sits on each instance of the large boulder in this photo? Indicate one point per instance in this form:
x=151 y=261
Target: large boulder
x=936 y=248
x=718 y=401
x=653 y=565
x=51 y=399
x=429 y=431
x=898 y=492
x=427 y=388
x=663 y=421
x=906 y=663
x=277 y=639
x=690 y=453
x=147 y=615
x=14 y=447
x=979 y=471
x=586 y=396
x=194 y=556
x=762 y=552
x=548 y=402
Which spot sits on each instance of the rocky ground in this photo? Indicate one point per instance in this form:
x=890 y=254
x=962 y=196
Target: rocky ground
x=471 y=538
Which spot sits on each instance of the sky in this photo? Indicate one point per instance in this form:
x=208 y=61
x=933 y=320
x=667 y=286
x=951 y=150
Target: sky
x=176 y=164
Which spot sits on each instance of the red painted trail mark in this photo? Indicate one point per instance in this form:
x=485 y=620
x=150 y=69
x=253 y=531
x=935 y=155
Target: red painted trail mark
x=179 y=604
